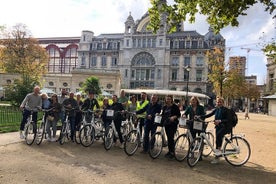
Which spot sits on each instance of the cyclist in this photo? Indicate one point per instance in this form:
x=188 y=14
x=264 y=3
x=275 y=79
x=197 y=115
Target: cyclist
x=221 y=124
x=107 y=120
x=71 y=103
x=170 y=114
x=53 y=122
x=141 y=108
x=150 y=127
x=32 y=101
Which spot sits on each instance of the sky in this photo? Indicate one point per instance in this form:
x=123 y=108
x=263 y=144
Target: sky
x=68 y=18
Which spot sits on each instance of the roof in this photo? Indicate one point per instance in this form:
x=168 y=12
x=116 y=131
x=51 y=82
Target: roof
x=270 y=97
x=165 y=92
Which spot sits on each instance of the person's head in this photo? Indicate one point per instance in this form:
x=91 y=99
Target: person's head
x=71 y=95
x=91 y=94
x=169 y=99
x=143 y=95
x=78 y=96
x=133 y=98
x=122 y=94
x=54 y=98
x=194 y=101
x=44 y=96
x=219 y=101
x=114 y=98
x=105 y=101
x=63 y=92
x=36 y=90
x=154 y=98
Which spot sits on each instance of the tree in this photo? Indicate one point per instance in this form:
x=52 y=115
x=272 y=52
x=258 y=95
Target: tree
x=270 y=51
x=22 y=54
x=91 y=84
x=220 y=13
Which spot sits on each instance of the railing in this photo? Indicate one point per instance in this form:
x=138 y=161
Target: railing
x=10 y=118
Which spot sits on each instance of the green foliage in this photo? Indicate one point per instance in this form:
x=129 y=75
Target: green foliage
x=17 y=91
x=91 y=84
x=220 y=13
x=270 y=50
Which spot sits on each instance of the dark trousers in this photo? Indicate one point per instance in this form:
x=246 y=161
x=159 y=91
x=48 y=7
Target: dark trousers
x=118 y=123
x=25 y=115
x=142 y=123
x=220 y=132
x=149 y=130
x=170 y=131
x=72 y=126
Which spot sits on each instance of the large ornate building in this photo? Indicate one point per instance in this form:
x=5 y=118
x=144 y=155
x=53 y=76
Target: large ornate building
x=136 y=58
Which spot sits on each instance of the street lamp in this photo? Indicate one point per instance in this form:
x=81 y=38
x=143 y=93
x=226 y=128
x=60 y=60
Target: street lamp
x=187 y=68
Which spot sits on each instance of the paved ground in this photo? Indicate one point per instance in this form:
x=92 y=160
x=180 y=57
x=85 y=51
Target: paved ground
x=71 y=163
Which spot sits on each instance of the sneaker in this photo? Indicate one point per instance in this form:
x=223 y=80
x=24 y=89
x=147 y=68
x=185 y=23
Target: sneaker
x=21 y=135
x=122 y=146
x=215 y=161
x=143 y=152
x=218 y=152
x=49 y=139
x=167 y=155
x=53 y=139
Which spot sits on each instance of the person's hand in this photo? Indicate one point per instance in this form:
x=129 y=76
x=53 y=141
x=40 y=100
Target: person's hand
x=149 y=116
x=196 y=117
x=216 y=122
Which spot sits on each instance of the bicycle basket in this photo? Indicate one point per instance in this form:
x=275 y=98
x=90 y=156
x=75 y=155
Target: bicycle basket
x=200 y=126
x=157 y=119
x=182 y=122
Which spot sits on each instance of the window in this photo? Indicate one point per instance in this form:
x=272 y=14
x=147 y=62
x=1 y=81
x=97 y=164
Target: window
x=114 y=61
x=82 y=61
x=159 y=73
x=51 y=83
x=127 y=43
x=153 y=43
x=126 y=73
x=199 y=61
x=188 y=44
x=199 y=75
x=187 y=61
x=93 y=61
x=194 y=44
x=161 y=42
x=103 y=61
x=174 y=75
x=175 y=61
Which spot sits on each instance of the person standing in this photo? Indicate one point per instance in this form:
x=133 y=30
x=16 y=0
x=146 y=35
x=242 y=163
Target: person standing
x=170 y=114
x=90 y=102
x=55 y=114
x=78 y=112
x=118 y=109
x=32 y=102
x=194 y=109
x=106 y=119
x=150 y=127
x=221 y=124
x=123 y=99
x=141 y=109
x=61 y=98
x=71 y=104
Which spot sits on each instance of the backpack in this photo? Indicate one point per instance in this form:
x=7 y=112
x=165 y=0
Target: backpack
x=232 y=118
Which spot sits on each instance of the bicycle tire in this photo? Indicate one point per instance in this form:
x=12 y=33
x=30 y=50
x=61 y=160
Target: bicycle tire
x=207 y=150
x=132 y=142
x=30 y=134
x=156 y=145
x=240 y=149
x=108 y=140
x=182 y=145
x=62 y=134
x=87 y=135
x=195 y=151
x=40 y=133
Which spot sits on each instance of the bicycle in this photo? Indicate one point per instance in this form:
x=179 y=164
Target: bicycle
x=158 y=139
x=91 y=130
x=133 y=138
x=65 y=133
x=41 y=131
x=184 y=140
x=235 y=149
x=30 y=129
x=110 y=132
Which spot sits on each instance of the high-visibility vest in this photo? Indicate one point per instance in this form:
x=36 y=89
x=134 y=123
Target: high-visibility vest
x=141 y=106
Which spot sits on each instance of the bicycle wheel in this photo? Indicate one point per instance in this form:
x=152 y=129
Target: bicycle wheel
x=40 y=133
x=108 y=140
x=125 y=129
x=131 y=142
x=176 y=135
x=87 y=135
x=236 y=151
x=181 y=147
x=156 y=145
x=195 y=151
x=63 y=134
x=30 y=134
x=207 y=150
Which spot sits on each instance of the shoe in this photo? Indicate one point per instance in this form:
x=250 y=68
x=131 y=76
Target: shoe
x=167 y=155
x=218 y=152
x=21 y=135
x=122 y=146
x=49 y=139
x=53 y=139
x=215 y=161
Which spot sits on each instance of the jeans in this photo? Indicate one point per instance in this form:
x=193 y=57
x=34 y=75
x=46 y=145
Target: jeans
x=149 y=129
x=26 y=114
x=170 y=131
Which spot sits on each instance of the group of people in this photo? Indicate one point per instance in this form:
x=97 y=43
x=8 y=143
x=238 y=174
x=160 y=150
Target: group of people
x=145 y=110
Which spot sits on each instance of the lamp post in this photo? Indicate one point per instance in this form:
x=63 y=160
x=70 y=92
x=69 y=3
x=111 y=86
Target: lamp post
x=221 y=80
x=187 y=68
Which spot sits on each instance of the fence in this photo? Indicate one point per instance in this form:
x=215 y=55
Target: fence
x=10 y=118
